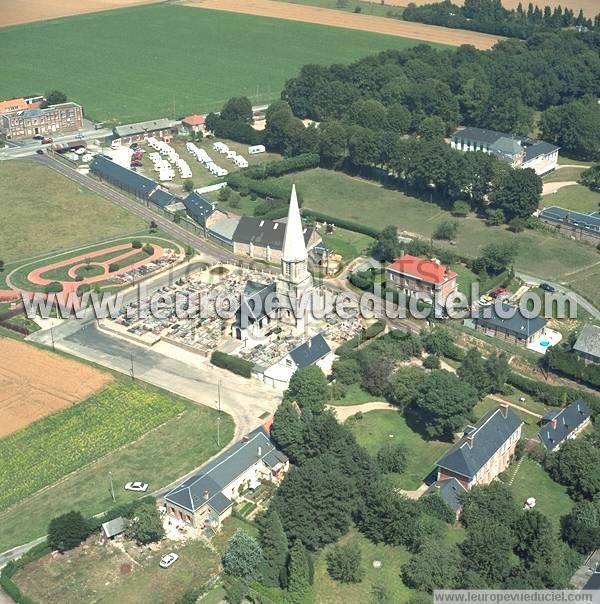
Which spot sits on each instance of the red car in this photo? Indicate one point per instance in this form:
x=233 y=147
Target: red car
x=46 y=141
x=499 y=291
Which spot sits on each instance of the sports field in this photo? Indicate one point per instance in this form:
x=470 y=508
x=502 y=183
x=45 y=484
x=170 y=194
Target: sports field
x=41 y=211
x=168 y=60
x=35 y=383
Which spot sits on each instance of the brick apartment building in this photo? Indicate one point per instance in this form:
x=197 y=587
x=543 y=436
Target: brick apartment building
x=414 y=275
x=25 y=123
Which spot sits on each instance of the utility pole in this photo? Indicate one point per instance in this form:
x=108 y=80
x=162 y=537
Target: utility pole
x=112 y=488
x=219 y=414
x=52 y=336
x=131 y=367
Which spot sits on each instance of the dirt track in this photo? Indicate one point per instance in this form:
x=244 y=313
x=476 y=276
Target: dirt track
x=35 y=383
x=590 y=7
x=325 y=16
x=25 y=11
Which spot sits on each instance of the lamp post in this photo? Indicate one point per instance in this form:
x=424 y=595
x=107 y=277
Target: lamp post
x=112 y=488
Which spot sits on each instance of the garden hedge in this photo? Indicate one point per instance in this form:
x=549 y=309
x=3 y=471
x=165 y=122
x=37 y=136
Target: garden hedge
x=231 y=363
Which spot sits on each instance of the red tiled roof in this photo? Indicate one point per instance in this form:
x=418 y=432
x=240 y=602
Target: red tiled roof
x=13 y=105
x=426 y=270
x=194 y=120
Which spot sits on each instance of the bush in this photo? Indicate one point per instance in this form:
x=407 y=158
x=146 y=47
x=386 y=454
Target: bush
x=446 y=230
x=54 y=287
x=494 y=217
x=433 y=505
x=148 y=249
x=341 y=223
x=305 y=161
x=432 y=362
x=231 y=363
x=113 y=267
x=82 y=289
x=10 y=588
x=136 y=245
x=461 y=209
x=375 y=329
x=224 y=194
x=67 y=531
x=393 y=457
x=188 y=185
x=344 y=563
x=517 y=225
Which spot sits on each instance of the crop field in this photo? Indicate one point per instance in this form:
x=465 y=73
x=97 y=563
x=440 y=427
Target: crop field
x=541 y=253
x=35 y=383
x=41 y=211
x=73 y=437
x=167 y=60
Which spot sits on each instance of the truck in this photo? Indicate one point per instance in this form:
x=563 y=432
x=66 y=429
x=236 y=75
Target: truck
x=69 y=146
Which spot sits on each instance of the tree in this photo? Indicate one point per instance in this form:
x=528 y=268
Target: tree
x=277 y=116
x=392 y=457
x=496 y=258
x=591 y=178
x=577 y=465
x=298 y=571
x=67 y=531
x=369 y=114
x=473 y=371
x=333 y=144
x=494 y=217
x=188 y=185
x=461 y=208
x=432 y=128
x=1 y=265
x=446 y=230
x=54 y=97
x=146 y=525
x=344 y=563
x=432 y=362
x=274 y=544
x=517 y=192
x=438 y=342
x=482 y=503
x=288 y=430
x=403 y=385
x=535 y=539
x=433 y=505
x=387 y=247
x=237 y=109
x=497 y=368
x=346 y=371
x=308 y=387
x=445 y=403
x=243 y=558
x=398 y=118
x=581 y=526
x=434 y=566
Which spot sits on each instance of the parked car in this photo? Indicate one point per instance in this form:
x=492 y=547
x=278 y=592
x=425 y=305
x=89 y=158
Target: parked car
x=47 y=140
x=79 y=135
x=547 y=287
x=39 y=151
x=141 y=487
x=38 y=137
x=168 y=560
x=499 y=291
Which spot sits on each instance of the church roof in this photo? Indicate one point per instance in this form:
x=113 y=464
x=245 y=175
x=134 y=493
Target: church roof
x=294 y=248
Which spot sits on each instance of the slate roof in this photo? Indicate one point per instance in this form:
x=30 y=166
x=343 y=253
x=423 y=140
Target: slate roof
x=567 y=421
x=122 y=177
x=588 y=222
x=517 y=325
x=449 y=490
x=507 y=146
x=142 y=127
x=263 y=232
x=162 y=198
x=539 y=148
x=199 y=207
x=480 y=135
x=588 y=341
x=310 y=352
x=222 y=471
x=253 y=304
x=488 y=435
x=114 y=527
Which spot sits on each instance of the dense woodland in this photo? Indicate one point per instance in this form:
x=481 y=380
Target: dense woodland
x=489 y=16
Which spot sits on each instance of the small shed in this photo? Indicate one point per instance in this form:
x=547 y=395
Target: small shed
x=112 y=528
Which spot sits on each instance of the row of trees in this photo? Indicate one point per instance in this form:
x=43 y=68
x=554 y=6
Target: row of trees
x=489 y=16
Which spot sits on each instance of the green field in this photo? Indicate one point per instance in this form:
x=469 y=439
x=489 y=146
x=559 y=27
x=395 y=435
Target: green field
x=378 y=9
x=167 y=60
x=41 y=211
x=347 y=243
x=564 y=174
x=539 y=252
x=153 y=458
x=574 y=197
x=377 y=428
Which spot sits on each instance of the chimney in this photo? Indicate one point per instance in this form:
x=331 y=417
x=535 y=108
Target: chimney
x=259 y=451
x=470 y=440
x=402 y=253
x=504 y=409
x=553 y=423
x=205 y=495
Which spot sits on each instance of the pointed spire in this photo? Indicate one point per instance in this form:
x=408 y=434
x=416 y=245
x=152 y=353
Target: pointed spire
x=294 y=249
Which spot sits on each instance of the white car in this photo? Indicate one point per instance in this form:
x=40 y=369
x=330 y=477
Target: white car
x=168 y=560
x=141 y=487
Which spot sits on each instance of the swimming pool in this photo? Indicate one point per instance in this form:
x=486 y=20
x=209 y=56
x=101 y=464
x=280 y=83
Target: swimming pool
x=545 y=343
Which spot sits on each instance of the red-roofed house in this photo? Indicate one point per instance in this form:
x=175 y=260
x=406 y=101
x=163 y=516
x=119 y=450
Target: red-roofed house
x=413 y=275
x=193 y=123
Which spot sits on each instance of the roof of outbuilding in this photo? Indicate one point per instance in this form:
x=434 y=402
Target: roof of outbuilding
x=124 y=178
x=516 y=324
x=222 y=471
x=449 y=490
x=590 y=222
x=114 y=527
x=262 y=232
x=193 y=120
x=588 y=341
x=487 y=435
x=142 y=127
x=199 y=207
x=567 y=421
x=310 y=352
x=162 y=198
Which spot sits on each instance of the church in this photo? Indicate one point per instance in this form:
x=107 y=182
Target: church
x=263 y=303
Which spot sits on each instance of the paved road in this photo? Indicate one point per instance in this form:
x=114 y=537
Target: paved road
x=590 y=308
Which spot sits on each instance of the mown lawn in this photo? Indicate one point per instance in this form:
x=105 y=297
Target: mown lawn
x=96 y=573
x=152 y=458
x=42 y=211
x=564 y=174
x=530 y=426
x=167 y=60
x=574 y=197
x=538 y=252
x=377 y=428
x=348 y=244
x=533 y=481
x=355 y=395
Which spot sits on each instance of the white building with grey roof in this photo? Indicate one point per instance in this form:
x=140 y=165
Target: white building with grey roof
x=587 y=346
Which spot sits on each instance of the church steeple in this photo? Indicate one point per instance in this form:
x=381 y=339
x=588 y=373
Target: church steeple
x=294 y=248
